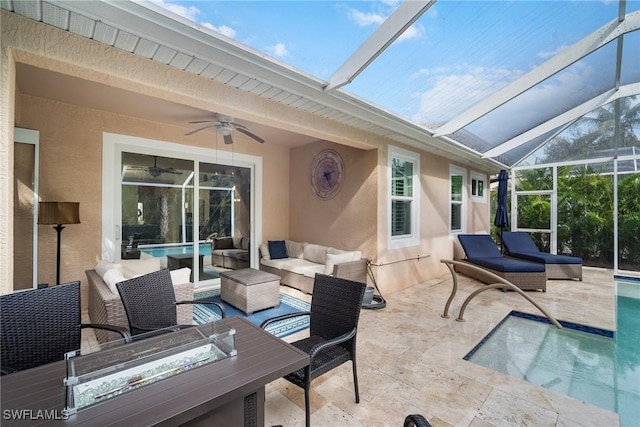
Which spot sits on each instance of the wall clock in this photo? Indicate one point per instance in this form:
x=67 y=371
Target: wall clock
x=327 y=174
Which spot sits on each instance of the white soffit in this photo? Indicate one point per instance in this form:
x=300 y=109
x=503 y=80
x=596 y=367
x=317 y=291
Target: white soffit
x=148 y=30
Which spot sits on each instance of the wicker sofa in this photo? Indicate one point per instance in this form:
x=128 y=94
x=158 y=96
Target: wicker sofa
x=230 y=252
x=106 y=307
x=301 y=261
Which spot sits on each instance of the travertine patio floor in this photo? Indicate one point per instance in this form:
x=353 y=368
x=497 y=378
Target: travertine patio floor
x=410 y=361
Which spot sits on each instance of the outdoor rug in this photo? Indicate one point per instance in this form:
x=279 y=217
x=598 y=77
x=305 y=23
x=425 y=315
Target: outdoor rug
x=288 y=304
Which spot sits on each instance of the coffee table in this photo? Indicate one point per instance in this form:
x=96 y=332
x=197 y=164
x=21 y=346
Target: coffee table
x=175 y=262
x=249 y=289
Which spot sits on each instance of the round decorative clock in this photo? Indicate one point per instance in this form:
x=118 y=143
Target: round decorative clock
x=327 y=174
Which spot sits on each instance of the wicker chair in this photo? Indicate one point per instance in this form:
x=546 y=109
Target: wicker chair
x=150 y=302
x=334 y=315
x=416 y=420
x=40 y=325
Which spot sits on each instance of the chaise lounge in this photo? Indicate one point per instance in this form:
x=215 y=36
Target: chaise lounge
x=481 y=250
x=519 y=244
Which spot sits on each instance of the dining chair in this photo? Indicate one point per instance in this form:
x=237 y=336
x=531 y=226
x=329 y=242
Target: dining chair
x=40 y=325
x=150 y=303
x=333 y=327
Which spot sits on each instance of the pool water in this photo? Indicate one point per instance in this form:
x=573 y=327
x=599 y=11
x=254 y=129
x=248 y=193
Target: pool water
x=160 y=251
x=594 y=365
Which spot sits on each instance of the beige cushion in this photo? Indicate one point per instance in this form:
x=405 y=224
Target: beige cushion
x=135 y=267
x=264 y=251
x=113 y=276
x=294 y=249
x=180 y=276
x=333 y=259
x=315 y=253
x=105 y=265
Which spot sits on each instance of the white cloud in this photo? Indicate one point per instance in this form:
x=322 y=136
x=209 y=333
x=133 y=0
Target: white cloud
x=413 y=32
x=279 y=50
x=222 y=29
x=364 y=19
x=454 y=89
x=191 y=14
x=186 y=12
x=549 y=54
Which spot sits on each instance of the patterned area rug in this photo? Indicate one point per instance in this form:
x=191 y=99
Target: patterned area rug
x=288 y=304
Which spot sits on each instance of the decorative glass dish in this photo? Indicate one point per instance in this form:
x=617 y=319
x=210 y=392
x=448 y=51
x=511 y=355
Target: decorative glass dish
x=118 y=368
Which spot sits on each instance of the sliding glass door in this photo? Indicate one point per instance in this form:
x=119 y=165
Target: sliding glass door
x=173 y=205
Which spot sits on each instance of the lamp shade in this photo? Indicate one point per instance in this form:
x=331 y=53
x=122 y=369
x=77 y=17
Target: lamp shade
x=58 y=213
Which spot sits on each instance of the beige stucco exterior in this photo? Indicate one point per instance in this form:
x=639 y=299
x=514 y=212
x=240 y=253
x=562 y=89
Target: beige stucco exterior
x=71 y=161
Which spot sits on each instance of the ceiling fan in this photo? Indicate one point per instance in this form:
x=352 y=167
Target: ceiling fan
x=224 y=126
x=156 y=171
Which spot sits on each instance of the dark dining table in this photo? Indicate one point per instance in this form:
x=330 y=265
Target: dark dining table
x=227 y=392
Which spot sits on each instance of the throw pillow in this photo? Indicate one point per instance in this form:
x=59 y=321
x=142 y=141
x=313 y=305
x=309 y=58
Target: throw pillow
x=277 y=249
x=222 y=243
x=180 y=276
x=105 y=265
x=264 y=251
x=333 y=259
x=294 y=249
x=136 y=267
x=315 y=253
x=111 y=277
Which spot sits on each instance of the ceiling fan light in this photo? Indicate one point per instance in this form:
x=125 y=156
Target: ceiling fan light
x=224 y=130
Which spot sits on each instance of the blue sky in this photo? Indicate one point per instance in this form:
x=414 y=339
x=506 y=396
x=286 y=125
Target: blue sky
x=456 y=54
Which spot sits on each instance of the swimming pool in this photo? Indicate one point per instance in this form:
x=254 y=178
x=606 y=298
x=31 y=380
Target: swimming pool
x=594 y=365
x=160 y=251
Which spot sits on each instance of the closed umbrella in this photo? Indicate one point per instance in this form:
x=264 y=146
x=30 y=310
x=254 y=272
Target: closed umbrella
x=502 y=217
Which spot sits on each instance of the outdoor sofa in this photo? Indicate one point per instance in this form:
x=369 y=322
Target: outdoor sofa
x=519 y=244
x=105 y=305
x=298 y=262
x=481 y=250
x=230 y=252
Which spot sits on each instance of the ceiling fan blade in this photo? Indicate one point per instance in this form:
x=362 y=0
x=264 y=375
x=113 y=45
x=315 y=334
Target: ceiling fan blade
x=227 y=139
x=204 y=121
x=198 y=130
x=244 y=130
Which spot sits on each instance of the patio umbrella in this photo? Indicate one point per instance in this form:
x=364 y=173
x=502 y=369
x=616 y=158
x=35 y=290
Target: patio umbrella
x=502 y=217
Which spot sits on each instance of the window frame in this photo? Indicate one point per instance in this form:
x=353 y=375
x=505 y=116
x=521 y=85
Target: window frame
x=113 y=145
x=413 y=238
x=458 y=171
x=478 y=177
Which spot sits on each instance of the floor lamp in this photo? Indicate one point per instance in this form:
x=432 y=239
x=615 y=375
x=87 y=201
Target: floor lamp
x=58 y=213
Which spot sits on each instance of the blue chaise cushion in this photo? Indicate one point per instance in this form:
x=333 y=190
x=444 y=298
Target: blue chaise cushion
x=520 y=245
x=482 y=250
x=518 y=241
x=479 y=246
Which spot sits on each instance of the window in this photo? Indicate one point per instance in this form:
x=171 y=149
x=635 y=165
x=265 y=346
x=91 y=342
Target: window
x=457 y=192
x=478 y=185
x=404 y=184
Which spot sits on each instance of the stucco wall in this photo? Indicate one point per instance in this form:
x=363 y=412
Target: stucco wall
x=71 y=160
x=348 y=220
x=71 y=170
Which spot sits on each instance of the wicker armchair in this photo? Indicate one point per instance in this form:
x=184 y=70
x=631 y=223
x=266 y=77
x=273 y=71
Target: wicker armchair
x=334 y=315
x=416 y=420
x=150 y=302
x=40 y=325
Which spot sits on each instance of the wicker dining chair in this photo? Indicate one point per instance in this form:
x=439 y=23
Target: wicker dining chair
x=334 y=315
x=150 y=303
x=416 y=420
x=40 y=325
